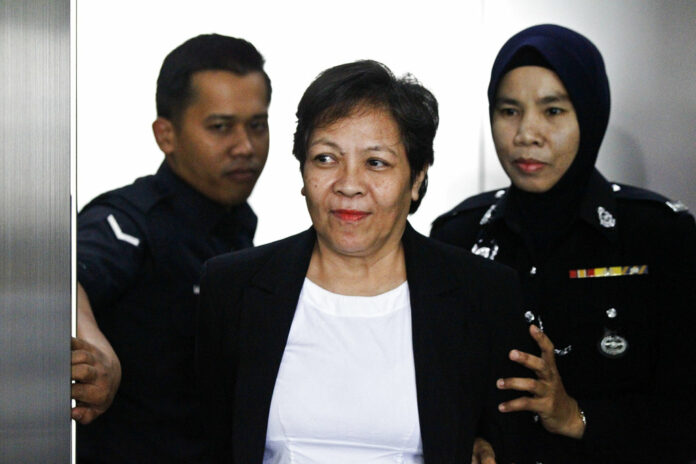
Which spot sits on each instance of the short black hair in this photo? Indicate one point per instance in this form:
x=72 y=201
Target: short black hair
x=208 y=52
x=340 y=90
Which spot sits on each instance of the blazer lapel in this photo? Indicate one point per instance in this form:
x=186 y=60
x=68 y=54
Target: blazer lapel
x=269 y=304
x=444 y=357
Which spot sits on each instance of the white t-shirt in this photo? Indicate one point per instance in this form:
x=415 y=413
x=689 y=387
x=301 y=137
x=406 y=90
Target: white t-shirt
x=346 y=387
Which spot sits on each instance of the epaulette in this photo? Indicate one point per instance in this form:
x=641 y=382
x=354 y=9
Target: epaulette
x=629 y=192
x=482 y=200
x=144 y=194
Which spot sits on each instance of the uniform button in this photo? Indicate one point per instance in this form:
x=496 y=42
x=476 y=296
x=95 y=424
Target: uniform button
x=529 y=316
x=533 y=270
x=611 y=313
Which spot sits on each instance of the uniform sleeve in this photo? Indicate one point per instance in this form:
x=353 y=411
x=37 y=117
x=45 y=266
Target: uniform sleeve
x=110 y=253
x=659 y=425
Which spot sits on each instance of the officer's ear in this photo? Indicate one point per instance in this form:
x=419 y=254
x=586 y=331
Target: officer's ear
x=165 y=135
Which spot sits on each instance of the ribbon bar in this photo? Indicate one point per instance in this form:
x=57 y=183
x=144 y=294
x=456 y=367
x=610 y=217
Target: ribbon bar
x=611 y=271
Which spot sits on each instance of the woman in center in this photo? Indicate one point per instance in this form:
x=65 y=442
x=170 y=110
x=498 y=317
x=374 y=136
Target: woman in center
x=359 y=340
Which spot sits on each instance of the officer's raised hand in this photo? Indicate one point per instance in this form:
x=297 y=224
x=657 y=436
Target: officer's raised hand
x=96 y=369
x=559 y=413
x=96 y=378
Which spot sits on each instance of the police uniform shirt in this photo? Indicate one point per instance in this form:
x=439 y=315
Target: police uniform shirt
x=140 y=250
x=617 y=298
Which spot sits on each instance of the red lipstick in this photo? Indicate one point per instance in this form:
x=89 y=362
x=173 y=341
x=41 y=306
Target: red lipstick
x=528 y=165
x=349 y=215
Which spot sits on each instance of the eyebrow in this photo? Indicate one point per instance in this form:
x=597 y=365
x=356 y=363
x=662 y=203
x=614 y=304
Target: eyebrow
x=382 y=148
x=232 y=117
x=545 y=100
x=323 y=141
x=372 y=148
x=554 y=98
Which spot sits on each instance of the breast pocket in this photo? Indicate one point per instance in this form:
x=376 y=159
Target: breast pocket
x=612 y=335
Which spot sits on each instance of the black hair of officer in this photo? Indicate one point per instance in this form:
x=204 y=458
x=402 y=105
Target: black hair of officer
x=208 y=52
x=339 y=91
x=580 y=67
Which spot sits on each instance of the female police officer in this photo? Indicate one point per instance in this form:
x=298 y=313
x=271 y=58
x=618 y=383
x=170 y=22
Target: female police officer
x=607 y=270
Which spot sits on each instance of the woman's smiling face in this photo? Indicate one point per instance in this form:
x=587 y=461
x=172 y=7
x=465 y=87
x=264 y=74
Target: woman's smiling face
x=357 y=183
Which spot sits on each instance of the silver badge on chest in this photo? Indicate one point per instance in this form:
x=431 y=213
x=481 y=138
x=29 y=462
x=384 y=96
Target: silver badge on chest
x=605 y=218
x=613 y=345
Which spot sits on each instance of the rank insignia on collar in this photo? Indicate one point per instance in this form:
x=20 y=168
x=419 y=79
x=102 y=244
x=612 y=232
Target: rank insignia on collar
x=487 y=217
x=612 y=345
x=485 y=251
x=605 y=218
x=609 y=271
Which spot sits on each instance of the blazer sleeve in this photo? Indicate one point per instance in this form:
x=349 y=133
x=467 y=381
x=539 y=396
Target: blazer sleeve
x=512 y=435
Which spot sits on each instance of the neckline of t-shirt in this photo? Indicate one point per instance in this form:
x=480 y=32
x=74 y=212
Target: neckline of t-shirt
x=340 y=305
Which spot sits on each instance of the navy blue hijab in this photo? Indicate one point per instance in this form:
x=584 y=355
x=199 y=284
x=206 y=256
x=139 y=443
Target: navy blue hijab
x=578 y=63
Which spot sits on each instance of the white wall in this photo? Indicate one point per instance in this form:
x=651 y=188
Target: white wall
x=449 y=46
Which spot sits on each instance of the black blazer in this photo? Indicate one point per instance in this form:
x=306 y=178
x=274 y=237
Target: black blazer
x=465 y=318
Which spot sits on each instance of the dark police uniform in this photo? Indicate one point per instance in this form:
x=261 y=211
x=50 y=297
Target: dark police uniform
x=617 y=298
x=140 y=250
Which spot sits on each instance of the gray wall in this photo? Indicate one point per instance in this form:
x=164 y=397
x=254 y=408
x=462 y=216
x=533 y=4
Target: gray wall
x=35 y=231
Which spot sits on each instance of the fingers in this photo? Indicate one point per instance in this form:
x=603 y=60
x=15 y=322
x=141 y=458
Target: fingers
x=483 y=452
x=83 y=414
x=83 y=373
x=523 y=403
x=80 y=344
x=545 y=366
x=535 y=363
x=542 y=340
x=88 y=395
x=82 y=357
x=525 y=384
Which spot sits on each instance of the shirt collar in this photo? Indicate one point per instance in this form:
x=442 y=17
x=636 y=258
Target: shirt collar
x=204 y=213
x=597 y=208
x=500 y=210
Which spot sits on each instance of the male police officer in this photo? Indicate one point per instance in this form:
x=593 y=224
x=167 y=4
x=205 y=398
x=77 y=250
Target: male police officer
x=607 y=270
x=140 y=249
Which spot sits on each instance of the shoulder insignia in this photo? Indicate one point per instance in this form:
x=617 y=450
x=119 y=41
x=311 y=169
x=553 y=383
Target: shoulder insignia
x=482 y=200
x=119 y=234
x=628 y=192
x=677 y=206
